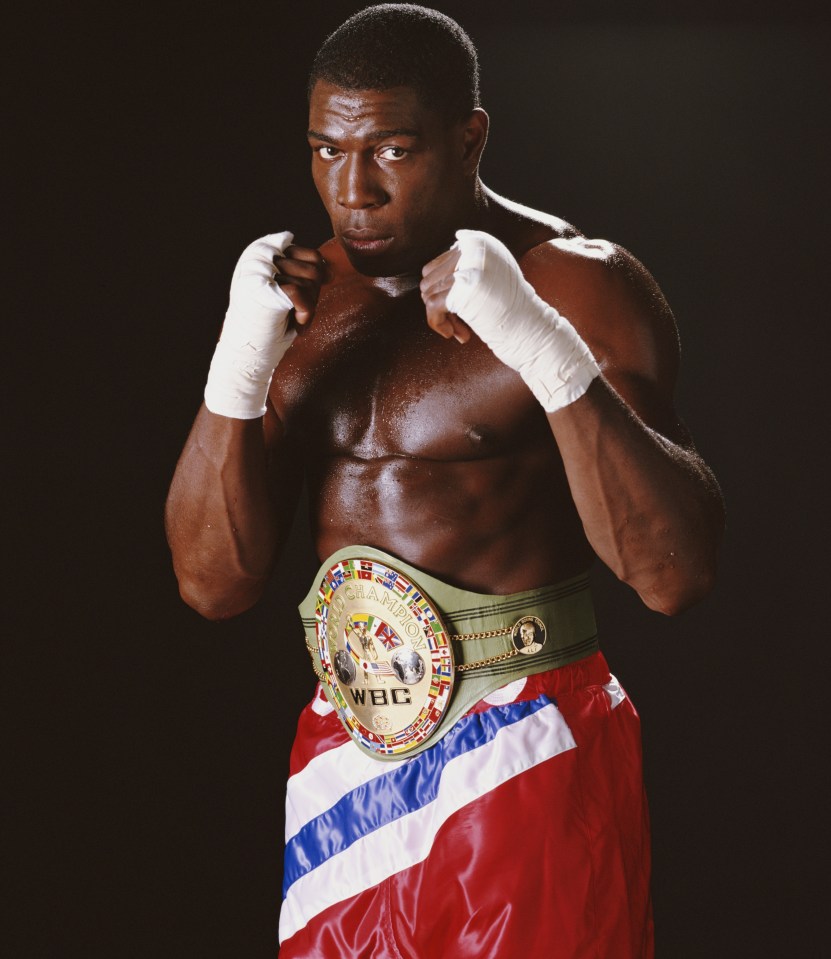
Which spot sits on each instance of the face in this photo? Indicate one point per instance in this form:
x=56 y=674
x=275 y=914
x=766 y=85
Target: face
x=526 y=631
x=393 y=175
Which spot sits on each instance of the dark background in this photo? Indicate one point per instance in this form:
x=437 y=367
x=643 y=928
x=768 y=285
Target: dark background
x=147 y=749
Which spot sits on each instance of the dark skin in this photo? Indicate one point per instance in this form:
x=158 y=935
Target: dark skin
x=412 y=436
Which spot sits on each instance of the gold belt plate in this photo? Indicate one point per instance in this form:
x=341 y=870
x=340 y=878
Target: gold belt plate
x=385 y=653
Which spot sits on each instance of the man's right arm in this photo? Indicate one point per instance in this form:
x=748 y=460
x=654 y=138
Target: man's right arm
x=235 y=487
x=222 y=525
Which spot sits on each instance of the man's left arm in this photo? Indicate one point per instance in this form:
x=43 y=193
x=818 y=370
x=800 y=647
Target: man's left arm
x=603 y=364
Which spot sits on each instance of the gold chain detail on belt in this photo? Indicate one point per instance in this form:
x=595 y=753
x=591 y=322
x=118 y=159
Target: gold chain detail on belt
x=487 y=662
x=487 y=634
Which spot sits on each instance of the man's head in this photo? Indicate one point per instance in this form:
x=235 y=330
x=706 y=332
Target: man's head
x=527 y=634
x=403 y=45
x=396 y=134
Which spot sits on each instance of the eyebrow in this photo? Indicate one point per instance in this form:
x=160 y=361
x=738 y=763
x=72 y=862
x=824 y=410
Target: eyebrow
x=375 y=135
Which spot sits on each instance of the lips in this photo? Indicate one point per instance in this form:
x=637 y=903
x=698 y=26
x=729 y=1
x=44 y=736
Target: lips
x=365 y=240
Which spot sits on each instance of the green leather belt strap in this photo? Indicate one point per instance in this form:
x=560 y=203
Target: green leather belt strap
x=481 y=627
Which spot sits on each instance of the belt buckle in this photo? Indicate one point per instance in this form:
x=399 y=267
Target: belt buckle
x=386 y=655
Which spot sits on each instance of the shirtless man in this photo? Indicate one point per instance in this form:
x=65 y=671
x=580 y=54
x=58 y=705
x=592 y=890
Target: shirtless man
x=500 y=435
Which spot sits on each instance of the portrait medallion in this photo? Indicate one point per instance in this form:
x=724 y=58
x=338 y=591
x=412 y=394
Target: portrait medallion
x=528 y=635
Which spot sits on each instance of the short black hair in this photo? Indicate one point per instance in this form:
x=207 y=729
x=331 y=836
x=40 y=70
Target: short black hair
x=402 y=44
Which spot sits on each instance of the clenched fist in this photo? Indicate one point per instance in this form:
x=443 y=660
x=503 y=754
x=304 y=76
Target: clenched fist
x=271 y=278
x=478 y=285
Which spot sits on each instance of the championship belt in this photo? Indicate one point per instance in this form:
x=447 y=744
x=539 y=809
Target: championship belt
x=402 y=655
x=385 y=655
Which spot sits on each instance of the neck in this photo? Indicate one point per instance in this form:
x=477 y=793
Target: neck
x=481 y=201
x=397 y=285
x=472 y=215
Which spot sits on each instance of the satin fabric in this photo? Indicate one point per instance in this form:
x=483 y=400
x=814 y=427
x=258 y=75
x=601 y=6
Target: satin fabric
x=523 y=833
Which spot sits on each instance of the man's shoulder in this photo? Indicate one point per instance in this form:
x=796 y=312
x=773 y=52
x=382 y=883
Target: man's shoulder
x=613 y=301
x=580 y=266
x=550 y=248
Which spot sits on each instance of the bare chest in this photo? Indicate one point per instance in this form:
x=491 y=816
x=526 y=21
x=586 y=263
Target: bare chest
x=371 y=380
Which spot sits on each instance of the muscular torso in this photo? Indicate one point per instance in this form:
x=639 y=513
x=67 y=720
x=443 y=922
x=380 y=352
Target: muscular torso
x=427 y=448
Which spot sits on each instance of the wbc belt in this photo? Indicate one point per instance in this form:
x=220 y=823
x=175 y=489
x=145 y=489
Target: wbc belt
x=402 y=655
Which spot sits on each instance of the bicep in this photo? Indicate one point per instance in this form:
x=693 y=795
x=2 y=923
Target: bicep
x=634 y=334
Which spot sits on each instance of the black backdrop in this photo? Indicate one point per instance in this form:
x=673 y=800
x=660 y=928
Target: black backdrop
x=147 y=749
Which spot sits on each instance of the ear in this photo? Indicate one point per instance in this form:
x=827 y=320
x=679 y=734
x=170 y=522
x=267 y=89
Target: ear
x=475 y=135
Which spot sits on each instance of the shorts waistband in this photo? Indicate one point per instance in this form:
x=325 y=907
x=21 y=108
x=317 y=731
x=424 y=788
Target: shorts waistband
x=483 y=628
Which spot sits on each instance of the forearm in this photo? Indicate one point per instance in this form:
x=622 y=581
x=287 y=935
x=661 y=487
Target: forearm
x=221 y=524
x=651 y=509
x=223 y=528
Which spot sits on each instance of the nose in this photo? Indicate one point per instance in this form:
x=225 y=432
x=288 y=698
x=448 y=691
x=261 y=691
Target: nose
x=358 y=184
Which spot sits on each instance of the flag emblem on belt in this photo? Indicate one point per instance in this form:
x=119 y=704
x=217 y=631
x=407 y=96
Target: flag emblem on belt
x=385 y=654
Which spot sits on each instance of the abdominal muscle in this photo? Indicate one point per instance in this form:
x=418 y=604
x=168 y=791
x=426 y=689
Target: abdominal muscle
x=489 y=525
x=428 y=449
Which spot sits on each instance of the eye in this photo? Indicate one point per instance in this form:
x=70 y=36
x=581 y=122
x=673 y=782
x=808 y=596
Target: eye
x=327 y=152
x=392 y=153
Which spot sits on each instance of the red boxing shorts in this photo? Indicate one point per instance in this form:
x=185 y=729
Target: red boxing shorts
x=523 y=833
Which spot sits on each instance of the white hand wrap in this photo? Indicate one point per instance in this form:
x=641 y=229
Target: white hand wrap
x=492 y=296
x=255 y=335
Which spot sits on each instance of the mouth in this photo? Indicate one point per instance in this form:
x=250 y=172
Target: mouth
x=365 y=241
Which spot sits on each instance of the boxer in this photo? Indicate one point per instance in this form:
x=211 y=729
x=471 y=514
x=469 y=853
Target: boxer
x=480 y=401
